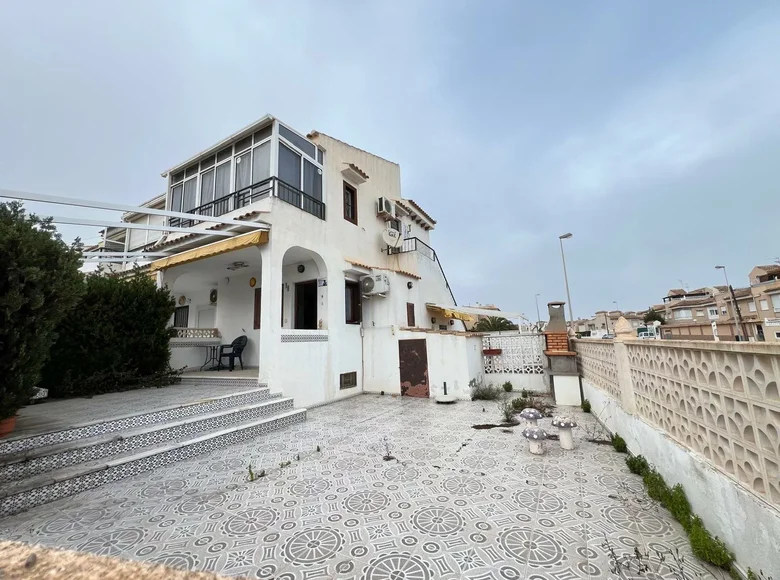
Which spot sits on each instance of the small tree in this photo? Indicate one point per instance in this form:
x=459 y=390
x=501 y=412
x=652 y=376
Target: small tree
x=40 y=284
x=493 y=324
x=652 y=316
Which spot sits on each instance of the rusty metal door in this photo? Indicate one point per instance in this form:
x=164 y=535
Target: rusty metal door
x=413 y=357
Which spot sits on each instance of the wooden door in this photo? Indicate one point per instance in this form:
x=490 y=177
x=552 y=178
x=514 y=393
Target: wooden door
x=413 y=358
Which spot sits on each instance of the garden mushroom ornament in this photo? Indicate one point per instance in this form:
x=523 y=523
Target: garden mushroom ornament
x=531 y=415
x=565 y=425
x=536 y=437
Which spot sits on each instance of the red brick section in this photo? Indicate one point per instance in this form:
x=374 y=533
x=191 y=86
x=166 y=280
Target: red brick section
x=557 y=344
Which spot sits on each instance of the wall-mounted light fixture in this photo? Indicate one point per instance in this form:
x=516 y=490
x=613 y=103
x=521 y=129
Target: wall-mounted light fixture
x=433 y=321
x=301 y=268
x=409 y=285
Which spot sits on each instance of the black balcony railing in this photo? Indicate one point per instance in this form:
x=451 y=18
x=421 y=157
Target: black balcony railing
x=417 y=245
x=244 y=197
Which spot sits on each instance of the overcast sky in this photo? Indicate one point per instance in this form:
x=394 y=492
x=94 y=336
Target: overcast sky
x=647 y=129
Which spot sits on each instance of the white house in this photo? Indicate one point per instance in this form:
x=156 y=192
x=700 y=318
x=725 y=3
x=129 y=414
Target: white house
x=328 y=306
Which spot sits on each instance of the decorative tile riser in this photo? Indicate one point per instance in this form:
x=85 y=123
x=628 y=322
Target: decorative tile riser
x=35 y=466
x=248 y=383
x=26 y=500
x=133 y=422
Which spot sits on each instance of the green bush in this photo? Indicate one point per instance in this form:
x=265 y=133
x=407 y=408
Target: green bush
x=707 y=548
x=585 y=406
x=656 y=486
x=40 y=283
x=637 y=464
x=679 y=506
x=508 y=387
x=116 y=339
x=519 y=403
x=619 y=443
x=524 y=393
x=482 y=392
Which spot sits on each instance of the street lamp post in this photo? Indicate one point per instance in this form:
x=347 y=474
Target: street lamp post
x=738 y=323
x=565 y=276
x=538 y=316
x=616 y=305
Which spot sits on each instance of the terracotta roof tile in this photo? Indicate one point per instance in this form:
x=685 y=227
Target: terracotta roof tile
x=357 y=170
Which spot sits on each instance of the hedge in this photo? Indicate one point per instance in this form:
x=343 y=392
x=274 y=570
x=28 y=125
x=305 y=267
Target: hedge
x=117 y=338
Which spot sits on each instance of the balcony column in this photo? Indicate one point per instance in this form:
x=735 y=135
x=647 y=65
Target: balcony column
x=623 y=332
x=270 y=313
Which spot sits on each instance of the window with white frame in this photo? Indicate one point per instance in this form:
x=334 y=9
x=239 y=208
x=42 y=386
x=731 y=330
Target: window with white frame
x=752 y=306
x=776 y=302
x=238 y=166
x=712 y=312
x=765 y=304
x=683 y=314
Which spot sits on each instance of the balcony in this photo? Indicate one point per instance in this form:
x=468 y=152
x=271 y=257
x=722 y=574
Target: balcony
x=271 y=187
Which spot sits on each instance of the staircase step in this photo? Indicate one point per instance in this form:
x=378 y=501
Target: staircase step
x=14 y=445
x=48 y=487
x=220 y=381
x=30 y=463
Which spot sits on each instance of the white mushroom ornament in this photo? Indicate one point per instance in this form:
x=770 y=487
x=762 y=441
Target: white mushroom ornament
x=565 y=424
x=531 y=415
x=536 y=437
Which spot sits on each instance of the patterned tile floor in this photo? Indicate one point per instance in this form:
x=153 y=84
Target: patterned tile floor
x=59 y=414
x=455 y=503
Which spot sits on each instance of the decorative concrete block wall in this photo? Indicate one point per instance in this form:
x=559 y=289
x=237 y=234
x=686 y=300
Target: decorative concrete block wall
x=718 y=402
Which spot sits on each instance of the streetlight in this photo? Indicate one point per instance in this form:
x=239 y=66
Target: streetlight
x=616 y=305
x=737 y=313
x=538 y=316
x=565 y=277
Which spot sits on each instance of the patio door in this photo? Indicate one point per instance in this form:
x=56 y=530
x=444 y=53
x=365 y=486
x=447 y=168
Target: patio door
x=413 y=359
x=306 y=305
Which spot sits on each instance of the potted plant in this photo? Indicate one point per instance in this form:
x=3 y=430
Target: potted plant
x=40 y=283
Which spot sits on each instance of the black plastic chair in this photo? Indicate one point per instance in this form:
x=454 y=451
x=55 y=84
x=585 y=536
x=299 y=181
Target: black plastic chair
x=232 y=351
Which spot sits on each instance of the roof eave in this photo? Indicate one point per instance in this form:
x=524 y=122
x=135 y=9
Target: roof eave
x=216 y=147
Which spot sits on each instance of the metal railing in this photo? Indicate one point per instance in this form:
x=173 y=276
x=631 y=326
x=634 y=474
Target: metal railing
x=417 y=245
x=244 y=197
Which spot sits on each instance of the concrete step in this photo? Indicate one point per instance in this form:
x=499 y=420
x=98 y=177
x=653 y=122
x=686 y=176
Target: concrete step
x=47 y=487
x=30 y=463
x=15 y=445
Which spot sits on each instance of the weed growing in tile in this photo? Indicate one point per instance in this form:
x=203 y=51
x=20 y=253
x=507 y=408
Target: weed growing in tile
x=637 y=464
x=482 y=392
x=388 y=456
x=619 y=443
x=704 y=546
x=585 y=405
x=507 y=410
x=508 y=386
x=644 y=563
x=251 y=473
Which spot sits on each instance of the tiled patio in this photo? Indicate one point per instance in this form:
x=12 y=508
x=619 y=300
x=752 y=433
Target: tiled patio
x=456 y=503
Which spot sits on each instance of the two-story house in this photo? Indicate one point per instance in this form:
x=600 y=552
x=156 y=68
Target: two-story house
x=336 y=284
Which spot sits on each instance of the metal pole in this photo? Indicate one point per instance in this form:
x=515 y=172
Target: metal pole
x=538 y=316
x=566 y=280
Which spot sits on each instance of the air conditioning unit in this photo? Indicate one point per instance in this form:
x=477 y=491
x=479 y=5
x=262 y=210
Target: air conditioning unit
x=375 y=284
x=385 y=208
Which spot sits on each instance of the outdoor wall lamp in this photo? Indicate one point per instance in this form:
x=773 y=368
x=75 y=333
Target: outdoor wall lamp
x=301 y=268
x=433 y=321
x=409 y=285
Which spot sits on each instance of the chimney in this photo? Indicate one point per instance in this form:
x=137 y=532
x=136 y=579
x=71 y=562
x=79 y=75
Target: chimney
x=556 y=335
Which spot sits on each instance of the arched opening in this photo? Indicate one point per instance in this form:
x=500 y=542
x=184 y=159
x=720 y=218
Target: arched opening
x=304 y=290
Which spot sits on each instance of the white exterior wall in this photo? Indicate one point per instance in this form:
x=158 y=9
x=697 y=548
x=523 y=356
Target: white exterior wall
x=235 y=314
x=749 y=527
x=307 y=364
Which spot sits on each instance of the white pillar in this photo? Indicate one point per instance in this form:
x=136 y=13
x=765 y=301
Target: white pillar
x=270 y=313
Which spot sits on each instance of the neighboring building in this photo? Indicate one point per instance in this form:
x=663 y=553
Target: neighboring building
x=603 y=322
x=297 y=288
x=765 y=289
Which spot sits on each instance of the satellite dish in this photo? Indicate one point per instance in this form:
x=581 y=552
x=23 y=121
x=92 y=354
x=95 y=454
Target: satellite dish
x=392 y=238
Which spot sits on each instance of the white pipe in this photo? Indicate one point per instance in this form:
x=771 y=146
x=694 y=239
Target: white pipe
x=134 y=226
x=72 y=201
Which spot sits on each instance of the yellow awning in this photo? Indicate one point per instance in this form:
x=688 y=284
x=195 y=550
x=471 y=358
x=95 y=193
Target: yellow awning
x=215 y=249
x=449 y=313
